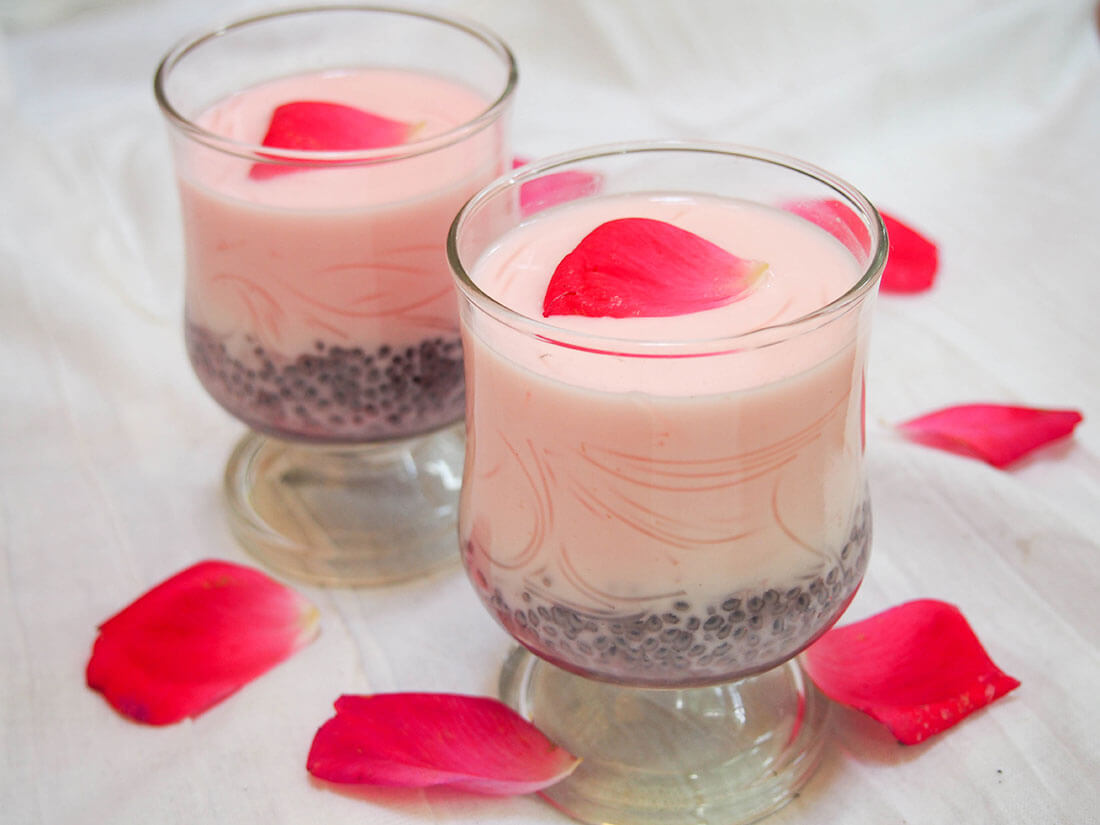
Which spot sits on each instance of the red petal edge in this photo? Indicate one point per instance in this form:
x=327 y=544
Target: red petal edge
x=196 y=638
x=418 y=740
x=913 y=261
x=321 y=126
x=918 y=668
x=640 y=267
x=554 y=188
x=995 y=433
x=836 y=219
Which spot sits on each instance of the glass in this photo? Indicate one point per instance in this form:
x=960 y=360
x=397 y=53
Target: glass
x=664 y=520
x=319 y=308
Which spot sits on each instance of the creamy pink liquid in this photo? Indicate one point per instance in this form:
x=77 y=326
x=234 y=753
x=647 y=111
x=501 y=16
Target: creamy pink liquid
x=617 y=486
x=304 y=287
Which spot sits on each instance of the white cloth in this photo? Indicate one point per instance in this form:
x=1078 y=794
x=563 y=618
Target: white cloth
x=977 y=121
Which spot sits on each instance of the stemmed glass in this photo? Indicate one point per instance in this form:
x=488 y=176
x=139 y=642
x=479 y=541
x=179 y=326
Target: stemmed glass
x=665 y=514
x=319 y=309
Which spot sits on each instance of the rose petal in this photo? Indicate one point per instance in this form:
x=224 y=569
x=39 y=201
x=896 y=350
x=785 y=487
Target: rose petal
x=913 y=260
x=417 y=740
x=196 y=638
x=320 y=126
x=634 y=267
x=917 y=667
x=836 y=219
x=995 y=433
x=554 y=188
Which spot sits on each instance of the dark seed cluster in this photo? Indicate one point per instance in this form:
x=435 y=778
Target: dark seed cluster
x=683 y=643
x=335 y=393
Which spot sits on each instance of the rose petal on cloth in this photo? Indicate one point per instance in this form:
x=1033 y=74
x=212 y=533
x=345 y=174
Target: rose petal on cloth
x=836 y=219
x=417 y=740
x=196 y=638
x=918 y=668
x=640 y=267
x=995 y=433
x=913 y=261
x=554 y=188
x=320 y=126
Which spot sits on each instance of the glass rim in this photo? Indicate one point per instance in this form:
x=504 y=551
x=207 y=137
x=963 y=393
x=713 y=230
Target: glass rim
x=627 y=346
x=257 y=152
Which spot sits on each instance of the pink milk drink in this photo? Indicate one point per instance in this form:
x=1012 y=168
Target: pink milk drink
x=319 y=306
x=664 y=485
x=321 y=155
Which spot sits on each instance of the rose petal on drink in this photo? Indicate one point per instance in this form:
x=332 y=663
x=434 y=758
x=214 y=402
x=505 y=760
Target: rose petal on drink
x=418 y=740
x=995 y=433
x=554 y=188
x=913 y=261
x=640 y=267
x=320 y=126
x=196 y=638
x=918 y=668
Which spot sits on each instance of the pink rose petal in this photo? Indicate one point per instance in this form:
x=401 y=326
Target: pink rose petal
x=918 y=668
x=995 y=433
x=196 y=638
x=836 y=219
x=417 y=740
x=554 y=188
x=913 y=260
x=320 y=126
x=639 y=267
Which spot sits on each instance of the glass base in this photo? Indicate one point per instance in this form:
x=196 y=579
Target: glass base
x=367 y=514
x=717 y=755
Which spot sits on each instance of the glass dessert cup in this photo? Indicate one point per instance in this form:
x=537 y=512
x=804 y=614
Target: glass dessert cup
x=664 y=523
x=319 y=309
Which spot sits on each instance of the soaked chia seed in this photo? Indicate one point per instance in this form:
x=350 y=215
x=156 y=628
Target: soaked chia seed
x=335 y=393
x=681 y=643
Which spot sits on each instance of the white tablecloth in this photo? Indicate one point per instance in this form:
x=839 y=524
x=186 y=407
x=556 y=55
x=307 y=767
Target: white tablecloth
x=977 y=121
